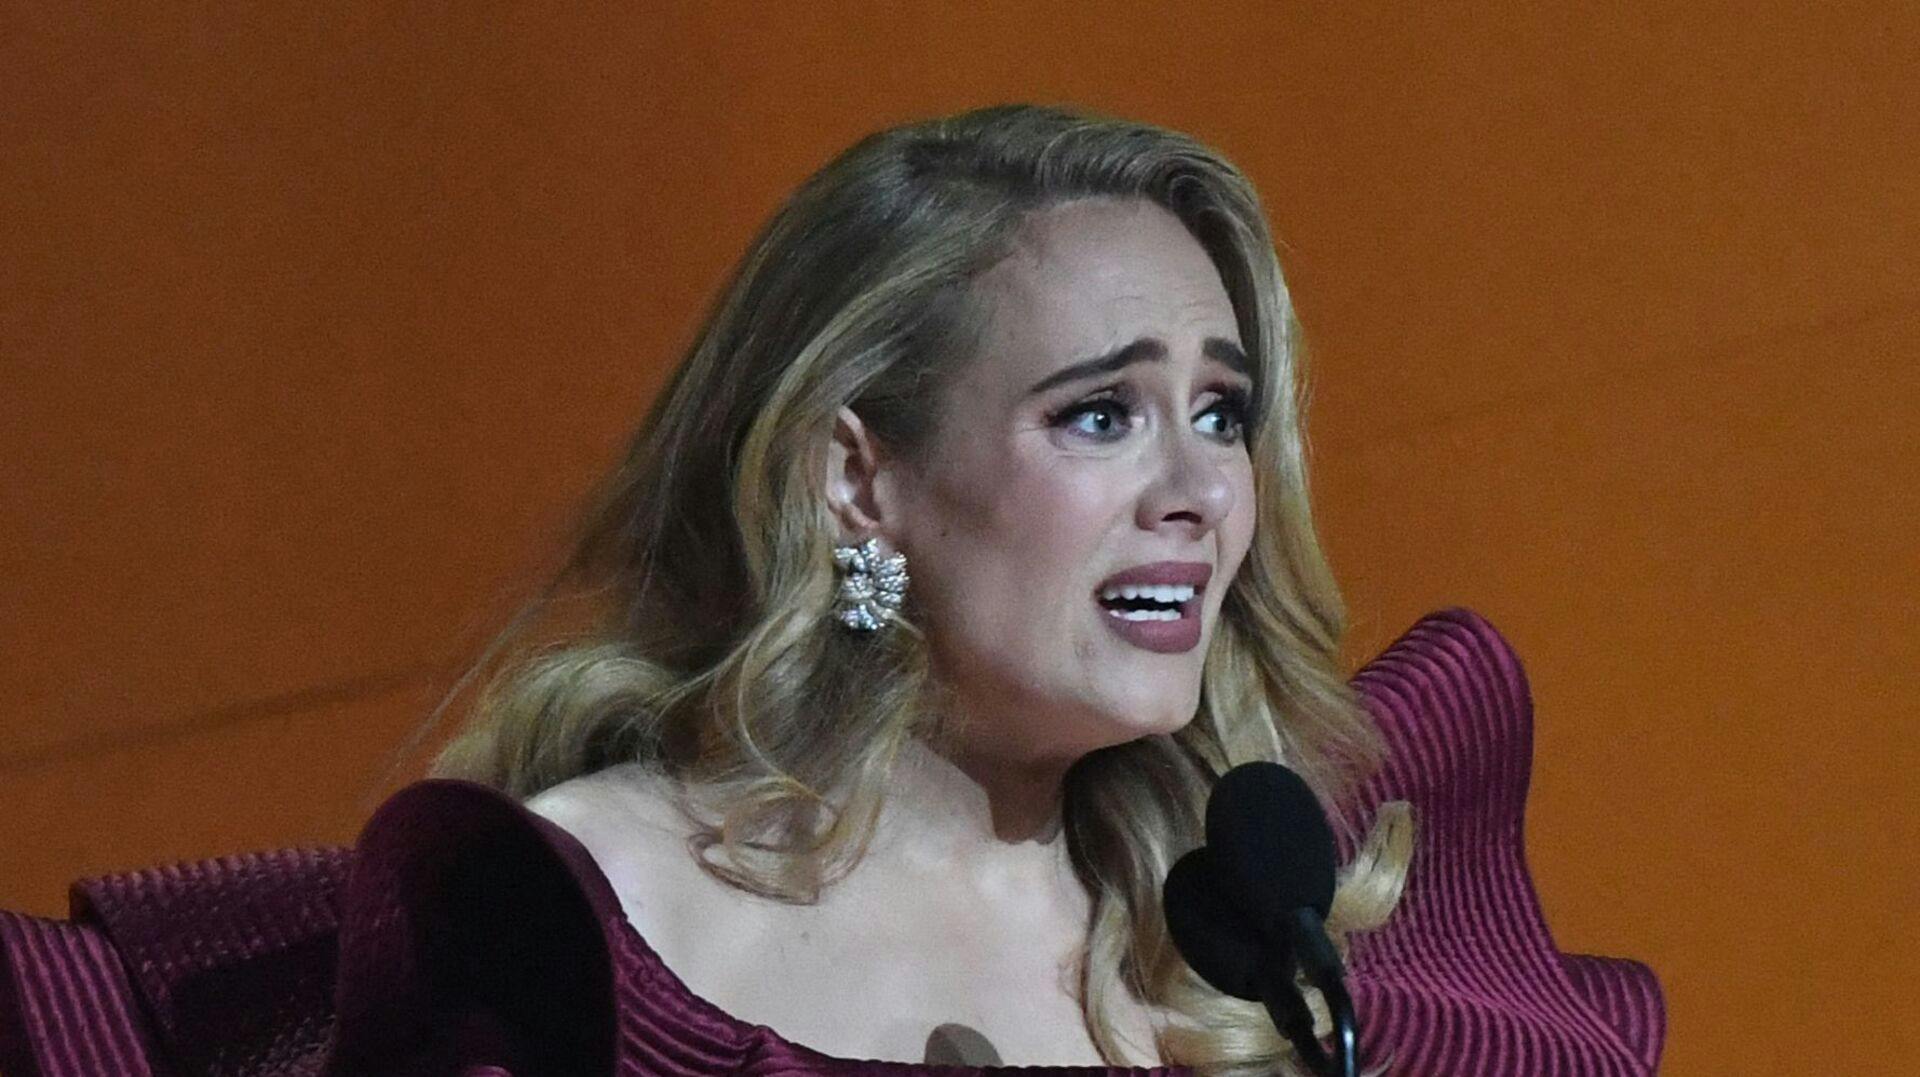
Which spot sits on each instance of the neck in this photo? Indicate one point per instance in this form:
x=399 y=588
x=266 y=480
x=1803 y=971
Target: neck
x=956 y=807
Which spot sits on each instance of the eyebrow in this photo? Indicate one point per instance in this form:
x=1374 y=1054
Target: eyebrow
x=1144 y=350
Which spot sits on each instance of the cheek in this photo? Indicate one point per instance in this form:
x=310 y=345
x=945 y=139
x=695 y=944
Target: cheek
x=1016 y=540
x=1237 y=531
x=1063 y=510
x=1235 y=534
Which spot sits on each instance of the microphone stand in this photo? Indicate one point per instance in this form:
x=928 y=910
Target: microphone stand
x=1321 y=962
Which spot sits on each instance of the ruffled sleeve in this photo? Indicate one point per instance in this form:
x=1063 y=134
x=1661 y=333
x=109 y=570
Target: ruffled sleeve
x=474 y=940
x=1465 y=978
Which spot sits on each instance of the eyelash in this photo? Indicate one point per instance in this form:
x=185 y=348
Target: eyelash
x=1236 y=402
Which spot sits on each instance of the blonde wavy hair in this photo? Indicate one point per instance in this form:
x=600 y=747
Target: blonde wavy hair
x=704 y=646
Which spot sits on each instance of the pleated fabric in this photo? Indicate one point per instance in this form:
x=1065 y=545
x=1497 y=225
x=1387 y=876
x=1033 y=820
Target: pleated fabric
x=233 y=958
x=66 y=1006
x=465 y=935
x=1465 y=979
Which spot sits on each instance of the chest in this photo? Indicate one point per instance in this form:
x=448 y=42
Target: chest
x=907 y=981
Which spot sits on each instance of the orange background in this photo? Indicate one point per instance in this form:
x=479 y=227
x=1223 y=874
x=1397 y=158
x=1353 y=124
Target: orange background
x=315 y=324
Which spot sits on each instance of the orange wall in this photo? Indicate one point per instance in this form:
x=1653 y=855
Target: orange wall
x=312 y=325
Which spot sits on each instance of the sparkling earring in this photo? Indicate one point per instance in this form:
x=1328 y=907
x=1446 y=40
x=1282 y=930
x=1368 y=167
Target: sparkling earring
x=871 y=586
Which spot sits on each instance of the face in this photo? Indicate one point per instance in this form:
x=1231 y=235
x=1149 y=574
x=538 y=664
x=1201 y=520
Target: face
x=1087 y=494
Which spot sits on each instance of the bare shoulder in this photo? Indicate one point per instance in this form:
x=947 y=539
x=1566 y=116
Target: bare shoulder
x=618 y=798
x=628 y=818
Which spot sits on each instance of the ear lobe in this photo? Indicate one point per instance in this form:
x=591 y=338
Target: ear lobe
x=853 y=478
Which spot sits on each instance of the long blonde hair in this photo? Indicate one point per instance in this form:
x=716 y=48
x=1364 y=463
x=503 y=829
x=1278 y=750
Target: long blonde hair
x=705 y=562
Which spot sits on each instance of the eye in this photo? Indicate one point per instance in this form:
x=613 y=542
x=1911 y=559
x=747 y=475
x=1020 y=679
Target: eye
x=1099 y=420
x=1101 y=416
x=1226 y=418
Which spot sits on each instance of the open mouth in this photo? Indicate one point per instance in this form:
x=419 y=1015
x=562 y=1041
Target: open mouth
x=1156 y=607
x=1149 y=602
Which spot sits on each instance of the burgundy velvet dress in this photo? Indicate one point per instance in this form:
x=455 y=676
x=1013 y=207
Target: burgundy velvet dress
x=465 y=935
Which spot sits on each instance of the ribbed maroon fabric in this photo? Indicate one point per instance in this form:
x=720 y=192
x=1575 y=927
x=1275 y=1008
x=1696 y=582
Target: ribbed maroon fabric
x=468 y=936
x=1465 y=978
x=234 y=957
x=66 y=1007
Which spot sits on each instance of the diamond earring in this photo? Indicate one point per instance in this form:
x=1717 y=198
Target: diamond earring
x=871 y=586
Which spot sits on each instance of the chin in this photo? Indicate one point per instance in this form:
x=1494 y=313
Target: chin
x=1156 y=715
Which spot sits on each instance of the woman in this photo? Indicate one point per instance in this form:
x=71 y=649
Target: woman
x=968 y=545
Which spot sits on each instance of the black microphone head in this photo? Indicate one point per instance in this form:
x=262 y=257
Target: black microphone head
x=1215 y=937
x=1271 y=842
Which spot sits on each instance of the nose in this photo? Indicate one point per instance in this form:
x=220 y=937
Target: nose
x=1191 y=491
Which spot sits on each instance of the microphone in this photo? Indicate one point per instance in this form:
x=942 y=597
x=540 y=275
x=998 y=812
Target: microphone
x=1249 y=907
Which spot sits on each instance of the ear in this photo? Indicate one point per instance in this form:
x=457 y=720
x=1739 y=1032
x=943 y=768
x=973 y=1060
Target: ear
x=859 y=485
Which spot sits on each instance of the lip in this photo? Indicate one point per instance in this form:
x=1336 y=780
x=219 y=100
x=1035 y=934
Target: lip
x=1161 y=637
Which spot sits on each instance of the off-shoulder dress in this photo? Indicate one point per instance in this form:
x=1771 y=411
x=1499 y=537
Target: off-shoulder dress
x=465 y=935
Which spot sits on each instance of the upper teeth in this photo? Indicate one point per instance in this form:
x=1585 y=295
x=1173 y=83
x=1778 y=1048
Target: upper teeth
x=1162 y=592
